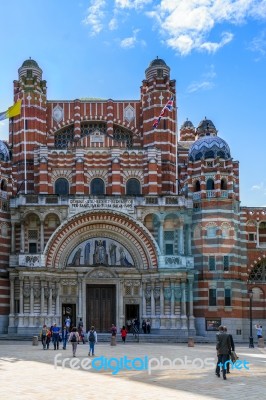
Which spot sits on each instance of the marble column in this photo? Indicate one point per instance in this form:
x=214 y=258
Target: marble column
x=80 y=297
x=13 y=242
x=12 y=302
x=258 y=235
x=152 y=300
x=22 y=237
x=181 y=240
x=160 y=234
x=162 y=298
x=191 y=316
x=31 y=321
x=172 y=304
x=42 y=236
x=189 y=240
x=21 y=301
x=57 y=299
x=42 y=297
x=183 y=306
x=143 y=300
x=50 y=300
x=121 y=315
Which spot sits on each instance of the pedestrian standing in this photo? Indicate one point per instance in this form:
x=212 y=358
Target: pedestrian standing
x=92 y=339
x=43 y=336
x=148 y=326
x=55 y=336
x=259 y=331
x=124 y=334
x=74 y=339
x=64 y=337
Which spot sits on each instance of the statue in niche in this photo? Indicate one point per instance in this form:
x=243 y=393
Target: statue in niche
x=76 y=258
x=112 y=252
x=100 y=256
x=123 y=259
x=87 y=253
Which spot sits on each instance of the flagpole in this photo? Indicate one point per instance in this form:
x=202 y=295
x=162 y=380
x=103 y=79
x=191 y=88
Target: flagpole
x=25 y=150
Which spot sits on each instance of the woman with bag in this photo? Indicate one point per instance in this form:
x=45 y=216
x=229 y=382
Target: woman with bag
x=74 y=339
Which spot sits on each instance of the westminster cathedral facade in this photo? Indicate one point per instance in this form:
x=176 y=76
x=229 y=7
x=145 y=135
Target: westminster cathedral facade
x=106 y=218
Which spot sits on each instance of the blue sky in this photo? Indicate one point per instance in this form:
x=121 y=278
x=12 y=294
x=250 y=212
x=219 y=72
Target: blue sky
x=216 y=50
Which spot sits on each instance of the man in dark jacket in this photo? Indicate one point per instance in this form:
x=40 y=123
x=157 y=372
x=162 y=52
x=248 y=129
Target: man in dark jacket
x=223 y=347
x=231 y=349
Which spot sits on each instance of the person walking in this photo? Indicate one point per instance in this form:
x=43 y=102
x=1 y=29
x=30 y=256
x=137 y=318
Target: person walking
x=43 y=336
x=68 y=323
x=144 y=326
x=55 y=336
x=113 y=335
x=232 y=345
x=92 y=339
x=74 y=339
x=223 y=347
x=124 y=334
x=148 y=326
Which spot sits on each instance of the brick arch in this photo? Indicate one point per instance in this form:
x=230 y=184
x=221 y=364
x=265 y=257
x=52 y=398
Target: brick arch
x=131 y=233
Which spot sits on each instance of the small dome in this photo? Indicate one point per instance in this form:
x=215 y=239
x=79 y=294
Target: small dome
x=156 y=62
x=30 y=64
x=187 y=124
x=157 y=69
x=206 y=127
x=30 y=69
x=4 y=152
x=209 y=147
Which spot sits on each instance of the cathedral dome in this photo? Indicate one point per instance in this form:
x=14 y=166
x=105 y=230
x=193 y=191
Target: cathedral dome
x=209 y=147
x=4 y=152
x=157 y=62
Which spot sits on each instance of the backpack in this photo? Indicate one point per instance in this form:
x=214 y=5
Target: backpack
x=74 y=338
x=91 y=337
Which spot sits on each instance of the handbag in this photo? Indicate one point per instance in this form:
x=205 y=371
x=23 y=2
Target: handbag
x=234 y=356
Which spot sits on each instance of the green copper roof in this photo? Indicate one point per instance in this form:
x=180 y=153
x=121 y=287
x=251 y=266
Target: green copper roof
x=30 y=64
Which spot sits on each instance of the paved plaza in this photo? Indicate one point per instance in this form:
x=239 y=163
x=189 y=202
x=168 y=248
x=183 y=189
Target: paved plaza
x=29 y=372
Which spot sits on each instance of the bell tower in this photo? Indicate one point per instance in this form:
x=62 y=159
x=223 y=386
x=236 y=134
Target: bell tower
x=28 y=130
x=156 y=90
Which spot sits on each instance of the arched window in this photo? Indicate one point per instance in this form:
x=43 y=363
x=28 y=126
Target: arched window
x=61 y=187
x=223 y=184
x=133 y=187
x=210 y=184
x=4 y=185
x=209 y=154
x=97 y=187
x=197 y=186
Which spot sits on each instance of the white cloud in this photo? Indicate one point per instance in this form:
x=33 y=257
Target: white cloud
x=95 y=15
x=259 y=187
x=258 y=44
x=137 y=4
x=186 y=25
x=113 y=24
x=130 y=42
x=206 y=83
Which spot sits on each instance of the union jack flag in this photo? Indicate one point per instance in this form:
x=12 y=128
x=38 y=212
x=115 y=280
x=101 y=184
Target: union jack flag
x=169 y=106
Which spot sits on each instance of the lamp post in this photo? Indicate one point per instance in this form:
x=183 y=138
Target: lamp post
x=251 y=343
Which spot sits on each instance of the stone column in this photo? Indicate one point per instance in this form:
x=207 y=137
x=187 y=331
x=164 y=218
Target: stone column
x=121 y=315
x=160 y=234
x=42 y=297
x=191 y=316
x=31 y=301
x=13 y=243
x=183 y=306
x=143 y=299
x=79 y=297
x=21 y=301
x=161 y=299
x=172 y=304
x=258 y=235
x=189 y=240
x=57 y=298
x=50 y=300
x=22 y=237
x=42 y=235
x=12 y=302
x=181 y=240
x=152 y=300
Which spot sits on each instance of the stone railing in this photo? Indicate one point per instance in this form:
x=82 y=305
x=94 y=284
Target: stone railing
x=179 y=262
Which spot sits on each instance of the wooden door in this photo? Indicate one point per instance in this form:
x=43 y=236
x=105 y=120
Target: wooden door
x=101 y=307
